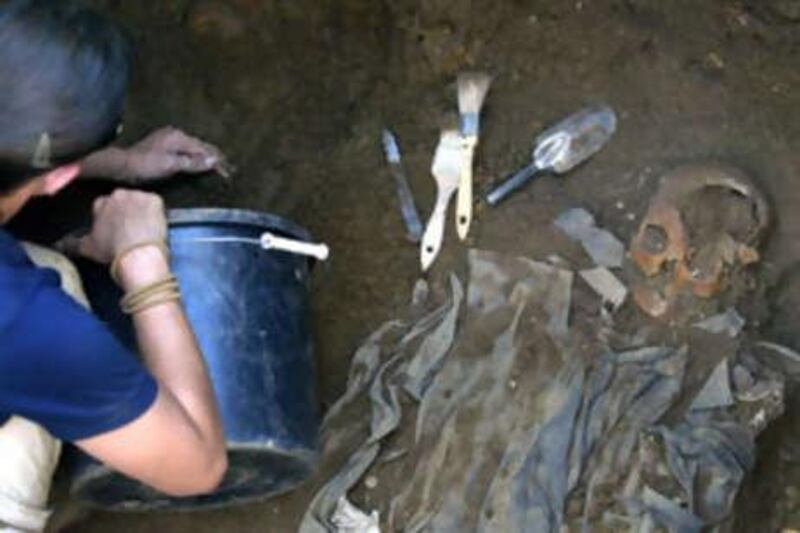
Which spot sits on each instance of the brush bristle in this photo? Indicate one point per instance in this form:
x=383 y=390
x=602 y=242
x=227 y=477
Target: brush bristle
x=472 y=90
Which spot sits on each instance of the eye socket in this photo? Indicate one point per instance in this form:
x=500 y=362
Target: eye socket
x=656 y=239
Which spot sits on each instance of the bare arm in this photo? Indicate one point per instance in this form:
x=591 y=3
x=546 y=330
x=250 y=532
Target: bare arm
x=161 y=154
x=107 y=163
x=177 y=446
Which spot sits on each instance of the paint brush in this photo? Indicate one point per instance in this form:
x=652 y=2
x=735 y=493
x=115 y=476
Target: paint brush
x=446 y=170
x=472 y=90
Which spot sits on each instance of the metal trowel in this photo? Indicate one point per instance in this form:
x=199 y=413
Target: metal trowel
x=562 y=147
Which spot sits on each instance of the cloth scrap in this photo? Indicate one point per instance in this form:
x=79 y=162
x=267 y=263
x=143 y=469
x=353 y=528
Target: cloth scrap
x=602 y=246
x=606 y=285
x=730 y=323
x=419 y=371
x=717 y=390
x=350 y=519
x=592 y=428
x=663 y=512
x=372 y=371
x=709 y=456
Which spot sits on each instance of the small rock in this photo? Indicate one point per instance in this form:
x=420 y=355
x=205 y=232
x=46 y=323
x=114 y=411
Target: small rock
x=371 y=482
x=714 y=60
x=743 y=20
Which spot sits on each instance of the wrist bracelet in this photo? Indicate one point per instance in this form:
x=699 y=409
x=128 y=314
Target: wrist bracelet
x=114 y=268
x=154 y=301
x=143 y=293
x=157 y=293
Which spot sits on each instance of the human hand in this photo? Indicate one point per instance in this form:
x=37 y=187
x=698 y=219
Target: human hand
x=121 y=221
x=168 y=151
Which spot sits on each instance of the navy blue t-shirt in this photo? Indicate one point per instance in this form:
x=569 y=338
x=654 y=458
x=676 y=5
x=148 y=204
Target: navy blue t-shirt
x=59 y=365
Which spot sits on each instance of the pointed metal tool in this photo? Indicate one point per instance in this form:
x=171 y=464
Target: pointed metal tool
x=408 y=208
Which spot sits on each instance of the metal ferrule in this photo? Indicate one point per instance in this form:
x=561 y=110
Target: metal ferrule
x=470 y=124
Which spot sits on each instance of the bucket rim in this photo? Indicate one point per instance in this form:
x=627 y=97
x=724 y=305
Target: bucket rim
x=81 y=485
x=216 y=215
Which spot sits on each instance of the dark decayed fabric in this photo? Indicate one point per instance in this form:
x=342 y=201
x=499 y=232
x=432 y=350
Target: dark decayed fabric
x=491 y=412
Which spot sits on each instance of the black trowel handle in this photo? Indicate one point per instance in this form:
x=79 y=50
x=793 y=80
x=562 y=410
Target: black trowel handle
x=511 y=184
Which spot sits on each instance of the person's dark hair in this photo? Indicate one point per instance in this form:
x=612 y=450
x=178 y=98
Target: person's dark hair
x=63 y=77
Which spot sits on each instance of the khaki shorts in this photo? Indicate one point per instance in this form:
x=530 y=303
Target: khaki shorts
x=28 y=453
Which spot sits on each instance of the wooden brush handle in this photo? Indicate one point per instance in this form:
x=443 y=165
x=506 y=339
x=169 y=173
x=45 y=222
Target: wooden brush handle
x=434 y=232
x=464 y=202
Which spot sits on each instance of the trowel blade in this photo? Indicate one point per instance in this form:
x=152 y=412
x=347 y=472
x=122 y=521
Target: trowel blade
x=575 y=139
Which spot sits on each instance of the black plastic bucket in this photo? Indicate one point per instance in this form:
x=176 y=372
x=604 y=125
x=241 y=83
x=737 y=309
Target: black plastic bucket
x=249 y=310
